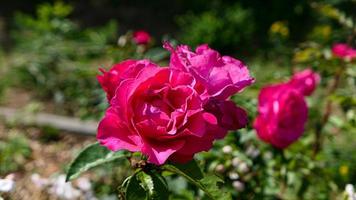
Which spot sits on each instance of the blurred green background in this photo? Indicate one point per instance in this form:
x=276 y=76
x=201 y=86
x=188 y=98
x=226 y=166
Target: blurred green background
x=50 y=52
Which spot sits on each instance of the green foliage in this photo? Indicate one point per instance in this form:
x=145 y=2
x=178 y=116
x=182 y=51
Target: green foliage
x=190 y=169
x=134 y=190
x=3 y=81
x=209 y=184
x=55 y=58
x=58 y=61
x=150 y=186
x=147 y=182
x=13 y=153
x=49 y=134
x=221 y=29
x=92 y=156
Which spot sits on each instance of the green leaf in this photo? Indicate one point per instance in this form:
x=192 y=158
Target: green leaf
x=191 y=168
x=146 y=182
x=154 y=184
x=92 y=156
x=208 y=184
x=160 y=187
x=134 y=190
x=147 y=185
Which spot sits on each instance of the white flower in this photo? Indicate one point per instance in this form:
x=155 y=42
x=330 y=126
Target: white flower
x=233 y=175
x=238 y=185
x=227 y=149
x=39 y=181
x=220 y=168
x=236 y=161
x=84 y=184
x=268 y=155
x=252 y=151
x=64 y=190
x=243 y=167
x=350 y=191
x=122 y=40
x=7 y=185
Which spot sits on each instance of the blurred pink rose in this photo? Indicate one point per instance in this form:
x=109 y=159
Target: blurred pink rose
x=223 y=76
x=165 y=113
x=305 y=81
x=141 y=37
x=282 y=110
x=341 y=50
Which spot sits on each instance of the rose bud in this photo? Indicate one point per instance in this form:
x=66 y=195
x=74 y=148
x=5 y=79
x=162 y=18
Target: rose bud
x=141 y=37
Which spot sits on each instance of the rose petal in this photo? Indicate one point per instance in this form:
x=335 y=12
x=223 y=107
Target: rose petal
x=115 y=135
x=222 y=76
x=230 y=116
x=158 y=153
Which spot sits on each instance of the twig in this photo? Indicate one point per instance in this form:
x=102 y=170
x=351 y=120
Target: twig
x=328 y=109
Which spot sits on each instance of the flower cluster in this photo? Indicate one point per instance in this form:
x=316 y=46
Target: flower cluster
x=283 y=111
x=57 y=186
x=171 y=113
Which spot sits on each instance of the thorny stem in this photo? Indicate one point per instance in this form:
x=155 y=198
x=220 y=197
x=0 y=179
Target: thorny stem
x=328 y=109
x=284 y=181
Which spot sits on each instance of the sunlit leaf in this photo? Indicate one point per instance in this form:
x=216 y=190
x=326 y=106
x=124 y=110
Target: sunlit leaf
x=92 y=156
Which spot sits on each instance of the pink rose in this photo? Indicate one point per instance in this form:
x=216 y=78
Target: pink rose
x=282 y=115
x=282 y=110
x=305 y=81
x=341 y=50
x=141 y=37
x=223 y=76
x=159 y=113
x=165 y=113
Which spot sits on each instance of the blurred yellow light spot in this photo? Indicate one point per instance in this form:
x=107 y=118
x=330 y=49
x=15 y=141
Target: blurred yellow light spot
x=280 y=27
x=322 y=31
x=344 y=170
x=306 y=55
x=330 y=11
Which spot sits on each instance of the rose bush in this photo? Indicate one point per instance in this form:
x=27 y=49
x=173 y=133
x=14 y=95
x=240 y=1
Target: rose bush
x=173 y=112
x=283 y=111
